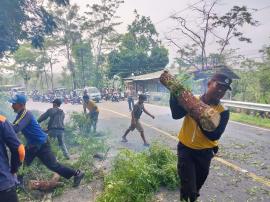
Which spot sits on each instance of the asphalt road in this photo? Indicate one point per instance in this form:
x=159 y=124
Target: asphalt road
x=241 y=174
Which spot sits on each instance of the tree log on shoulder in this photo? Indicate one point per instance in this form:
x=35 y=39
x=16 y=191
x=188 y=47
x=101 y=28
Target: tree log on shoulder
x=207 y=117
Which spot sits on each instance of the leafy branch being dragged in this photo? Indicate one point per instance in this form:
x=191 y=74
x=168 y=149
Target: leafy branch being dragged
x=207 y=117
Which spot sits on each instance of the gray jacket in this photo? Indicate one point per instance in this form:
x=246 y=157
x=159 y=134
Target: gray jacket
x=57 y=117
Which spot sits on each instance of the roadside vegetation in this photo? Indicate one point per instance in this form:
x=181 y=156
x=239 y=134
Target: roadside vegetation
x=250 y=119
x=135 y=177
x=82 y=146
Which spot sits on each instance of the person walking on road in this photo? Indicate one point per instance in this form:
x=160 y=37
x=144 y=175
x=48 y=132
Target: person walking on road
x=93 y=112
x=135 y=119
x=56 y=124
x=8 y=139
x=130 y=99
x=37 y=141
x=196 y=146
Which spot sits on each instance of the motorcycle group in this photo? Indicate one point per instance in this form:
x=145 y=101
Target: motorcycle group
x=76 y=96
x=113 y=95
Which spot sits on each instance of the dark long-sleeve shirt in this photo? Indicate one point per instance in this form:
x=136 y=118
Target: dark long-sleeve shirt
x=8 y=138
x=179 y=112
x=56 y=116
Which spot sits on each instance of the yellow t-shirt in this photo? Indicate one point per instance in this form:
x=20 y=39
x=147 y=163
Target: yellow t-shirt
x=191 y=135
x=91 y=106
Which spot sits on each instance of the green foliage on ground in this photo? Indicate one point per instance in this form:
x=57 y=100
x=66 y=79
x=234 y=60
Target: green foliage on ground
x=250 y=119
x=80 y=143
x=136 y=176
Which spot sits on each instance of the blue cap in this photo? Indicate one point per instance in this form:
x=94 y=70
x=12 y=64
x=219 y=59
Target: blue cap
x=18 y=99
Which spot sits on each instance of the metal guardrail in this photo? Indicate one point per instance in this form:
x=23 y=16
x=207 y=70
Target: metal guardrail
x=229 y=103
x=247 y=105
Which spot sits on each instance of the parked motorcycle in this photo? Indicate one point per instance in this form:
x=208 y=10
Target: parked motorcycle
x=115 y=97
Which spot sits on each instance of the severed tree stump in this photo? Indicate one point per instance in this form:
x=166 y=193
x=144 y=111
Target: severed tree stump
x=45 y=185
x=207 y=117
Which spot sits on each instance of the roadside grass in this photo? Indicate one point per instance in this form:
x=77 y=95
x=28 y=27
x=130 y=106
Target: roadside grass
x=250 y=119
x=81 y=144
x=135 y=177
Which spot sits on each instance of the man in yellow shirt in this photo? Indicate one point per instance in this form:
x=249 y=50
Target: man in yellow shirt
x=196 y=146
x=93 y=111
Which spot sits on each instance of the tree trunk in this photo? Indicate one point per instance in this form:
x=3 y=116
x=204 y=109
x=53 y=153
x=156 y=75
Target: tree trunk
x=45 y=185
x=46 y=78
x=26 y=84
x=83 y=74
x=207 y=117
x=41 y=81
x=51 y=67
x=70 y=67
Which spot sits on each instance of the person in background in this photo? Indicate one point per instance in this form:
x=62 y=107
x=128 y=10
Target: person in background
x=8 y=139
x=130 y=99
x=196 y=146
x=56 y=124
x=135 y=119
x=37 y=141
x=93 y=112
x=85 y=95
x=107 y=96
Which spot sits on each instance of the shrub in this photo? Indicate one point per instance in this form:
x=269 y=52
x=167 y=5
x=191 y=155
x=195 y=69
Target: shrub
x=136 y=176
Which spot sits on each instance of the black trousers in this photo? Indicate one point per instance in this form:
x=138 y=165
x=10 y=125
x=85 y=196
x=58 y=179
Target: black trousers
x=193 y=168
x=46 y=156
x=9 y=195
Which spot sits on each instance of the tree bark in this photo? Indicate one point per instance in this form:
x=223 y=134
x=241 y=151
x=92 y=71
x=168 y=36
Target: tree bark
x=45 y=185
x=207 y=117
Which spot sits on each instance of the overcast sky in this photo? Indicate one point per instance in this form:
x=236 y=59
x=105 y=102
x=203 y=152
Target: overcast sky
x=160 y=10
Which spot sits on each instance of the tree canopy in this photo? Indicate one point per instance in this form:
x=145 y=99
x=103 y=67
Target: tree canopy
x=139 y=51
x=24 y=20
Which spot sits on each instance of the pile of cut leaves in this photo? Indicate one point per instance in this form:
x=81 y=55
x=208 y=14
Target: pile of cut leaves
x=135 y=177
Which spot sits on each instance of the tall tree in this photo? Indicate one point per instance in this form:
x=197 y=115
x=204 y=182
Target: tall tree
x=24 y=20
x=68 y=31
x=100 y=23
x=210 y=23
x=236 y=17
x=25 y=62
x=41 y=63
x=49 y=49
x=264 y=75
x=84 y=64
x=139 y=50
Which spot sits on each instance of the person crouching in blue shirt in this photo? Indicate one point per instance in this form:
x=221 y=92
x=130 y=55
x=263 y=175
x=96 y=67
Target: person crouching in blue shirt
x=8 y=139
x=37 y=141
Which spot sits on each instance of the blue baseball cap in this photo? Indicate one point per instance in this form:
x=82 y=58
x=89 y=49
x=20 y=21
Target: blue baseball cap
x=18 y=99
